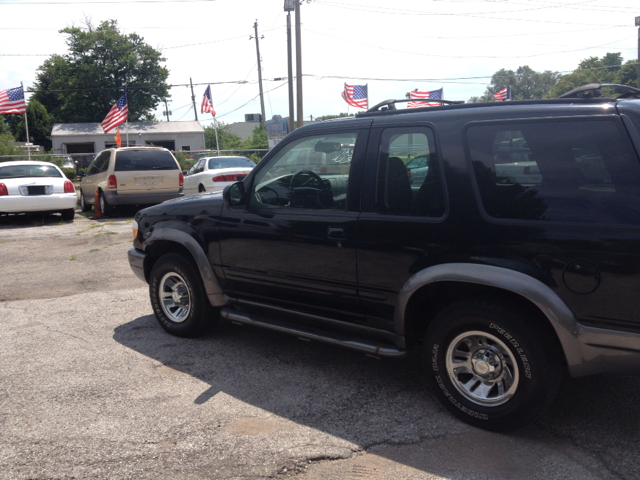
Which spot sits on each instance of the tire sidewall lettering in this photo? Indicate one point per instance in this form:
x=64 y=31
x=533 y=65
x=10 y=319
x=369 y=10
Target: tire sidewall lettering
x=516 y=347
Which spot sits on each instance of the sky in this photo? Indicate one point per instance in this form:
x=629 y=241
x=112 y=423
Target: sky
x=393 y=47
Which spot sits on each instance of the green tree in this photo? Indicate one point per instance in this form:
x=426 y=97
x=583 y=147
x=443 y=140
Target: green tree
x=258 y=138
x=40 y=123
x=525 y=83
x=608 y=69
x=83 y=85
x=8 y=146
x=226 y=139
x=4 y=126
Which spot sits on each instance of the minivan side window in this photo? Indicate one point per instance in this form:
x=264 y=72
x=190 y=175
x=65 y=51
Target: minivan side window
x=556 y=171
x=100 y=163
x=409 y=180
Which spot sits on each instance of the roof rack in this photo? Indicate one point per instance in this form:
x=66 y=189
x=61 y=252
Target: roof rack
x=593 y=90
x=391 y=104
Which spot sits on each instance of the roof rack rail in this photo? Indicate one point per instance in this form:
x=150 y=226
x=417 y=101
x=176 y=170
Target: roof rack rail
x=593 y=90
x=391 y=104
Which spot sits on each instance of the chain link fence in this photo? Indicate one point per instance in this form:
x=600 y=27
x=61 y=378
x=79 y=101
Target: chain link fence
x=186 y=158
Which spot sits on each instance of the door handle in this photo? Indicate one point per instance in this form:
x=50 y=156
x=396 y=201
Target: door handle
x=336 y=233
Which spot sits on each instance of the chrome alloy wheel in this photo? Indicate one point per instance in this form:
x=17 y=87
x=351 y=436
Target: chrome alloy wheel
x=482 y=368
x=175 y=297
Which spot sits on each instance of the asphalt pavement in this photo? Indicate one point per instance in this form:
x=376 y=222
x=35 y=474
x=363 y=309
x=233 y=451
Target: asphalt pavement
x=92 y=387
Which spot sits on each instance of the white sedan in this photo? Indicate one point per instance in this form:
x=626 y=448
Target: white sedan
x=211 y=174
x=32 y=186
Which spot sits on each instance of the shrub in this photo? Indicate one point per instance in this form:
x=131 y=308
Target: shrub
x=70 y=174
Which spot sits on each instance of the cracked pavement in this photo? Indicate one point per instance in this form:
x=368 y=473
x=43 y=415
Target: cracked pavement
x=92 y=387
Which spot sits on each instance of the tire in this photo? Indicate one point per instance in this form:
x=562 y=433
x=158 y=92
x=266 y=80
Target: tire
x=178 y=297
x=68 y=215
x=84 y=206
x=492 y=366
x=104 y=206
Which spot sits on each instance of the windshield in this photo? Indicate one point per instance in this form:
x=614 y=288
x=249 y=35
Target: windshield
x=140 y=160
x=21 y=171
x=229 y=162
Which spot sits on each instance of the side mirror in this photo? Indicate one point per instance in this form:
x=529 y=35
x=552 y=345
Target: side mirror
x=234 y=194
x=80 y=174
x=184 y=172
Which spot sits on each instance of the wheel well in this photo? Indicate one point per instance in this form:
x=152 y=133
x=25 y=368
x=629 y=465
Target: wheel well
x=431 y=299
x=158 y=249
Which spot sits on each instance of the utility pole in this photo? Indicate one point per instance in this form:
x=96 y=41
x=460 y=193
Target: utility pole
x=255 y=27
x=299 y=64
x=288 y=6
x=638 y=25
x=166 y=110
x=193 y=99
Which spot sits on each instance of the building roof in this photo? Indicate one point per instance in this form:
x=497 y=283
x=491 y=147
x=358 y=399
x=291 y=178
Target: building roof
x=134 y=127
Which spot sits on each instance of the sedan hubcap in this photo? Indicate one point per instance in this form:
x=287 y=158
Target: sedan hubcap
x=482 y=368
x=175 y=297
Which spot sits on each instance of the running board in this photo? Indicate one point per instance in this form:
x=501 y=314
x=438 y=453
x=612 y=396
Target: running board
x=307 y=333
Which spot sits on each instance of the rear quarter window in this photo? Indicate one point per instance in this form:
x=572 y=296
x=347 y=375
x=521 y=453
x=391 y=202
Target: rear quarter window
x=579 y=171
x=144 y=160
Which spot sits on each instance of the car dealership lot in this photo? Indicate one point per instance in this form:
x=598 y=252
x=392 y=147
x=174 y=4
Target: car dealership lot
x=92 y=387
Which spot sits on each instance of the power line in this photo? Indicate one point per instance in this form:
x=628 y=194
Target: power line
x=253 y=99
x=479 y=15
x=463 y=56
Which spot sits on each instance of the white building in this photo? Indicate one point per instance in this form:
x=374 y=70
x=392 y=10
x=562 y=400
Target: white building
x=89 y=137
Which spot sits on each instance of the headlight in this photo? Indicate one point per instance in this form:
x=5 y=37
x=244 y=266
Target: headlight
x=134 y=225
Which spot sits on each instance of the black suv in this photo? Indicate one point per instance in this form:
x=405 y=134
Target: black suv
x=514 y=258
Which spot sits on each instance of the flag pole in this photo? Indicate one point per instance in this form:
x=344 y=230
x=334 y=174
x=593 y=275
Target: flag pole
x=127 y=99
x=367 y=95
x=215 y=124
x=26 y=123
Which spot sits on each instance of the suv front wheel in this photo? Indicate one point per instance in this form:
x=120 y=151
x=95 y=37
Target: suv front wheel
x=178 y=297
x=492 y=366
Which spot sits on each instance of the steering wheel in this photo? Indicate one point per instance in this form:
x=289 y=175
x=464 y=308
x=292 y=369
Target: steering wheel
x=322 y=194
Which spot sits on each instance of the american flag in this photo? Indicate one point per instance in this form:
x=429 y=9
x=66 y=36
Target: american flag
x=356 y=95
x=117 y=115
x=502 y=95
x=206 y=106
x=434 y=94
x=12 y=101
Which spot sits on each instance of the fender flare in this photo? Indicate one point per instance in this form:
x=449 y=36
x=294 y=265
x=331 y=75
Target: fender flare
x=548 y=302
x=216 y=295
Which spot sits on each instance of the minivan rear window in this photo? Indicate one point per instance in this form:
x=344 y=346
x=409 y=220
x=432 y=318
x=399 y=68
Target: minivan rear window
x=142 y=160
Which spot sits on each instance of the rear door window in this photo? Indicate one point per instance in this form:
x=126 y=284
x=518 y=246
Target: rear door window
x=557 y=171
x=409 y=180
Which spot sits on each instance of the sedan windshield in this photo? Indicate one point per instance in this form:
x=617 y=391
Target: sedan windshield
x=21 y=171
x=230 y=162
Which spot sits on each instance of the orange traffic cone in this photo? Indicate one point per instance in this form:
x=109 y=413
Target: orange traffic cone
x=96 y=207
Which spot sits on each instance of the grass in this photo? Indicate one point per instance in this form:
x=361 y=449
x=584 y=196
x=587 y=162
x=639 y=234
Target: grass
x=110 y=233
x=72 y=258
x=94 y=250
x=97 y=225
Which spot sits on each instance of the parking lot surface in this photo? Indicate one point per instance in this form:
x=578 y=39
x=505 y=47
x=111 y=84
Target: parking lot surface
x=92 y=387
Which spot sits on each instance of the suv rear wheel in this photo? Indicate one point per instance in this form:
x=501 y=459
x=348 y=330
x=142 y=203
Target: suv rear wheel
x=492 y=366
x=178 y=297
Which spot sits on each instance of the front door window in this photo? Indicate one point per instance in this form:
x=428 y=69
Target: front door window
x=310 y=173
